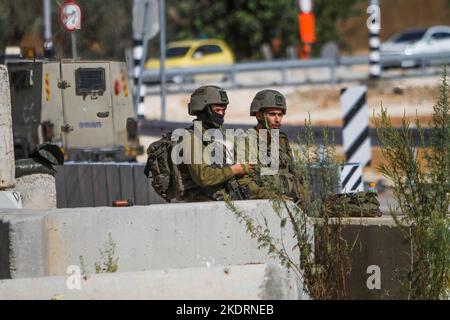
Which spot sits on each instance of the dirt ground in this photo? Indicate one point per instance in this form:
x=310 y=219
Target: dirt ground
x=400 y=97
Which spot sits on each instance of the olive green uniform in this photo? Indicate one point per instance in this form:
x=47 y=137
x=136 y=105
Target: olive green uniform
x=206 y=182
x=209 y=179
x=286 y=179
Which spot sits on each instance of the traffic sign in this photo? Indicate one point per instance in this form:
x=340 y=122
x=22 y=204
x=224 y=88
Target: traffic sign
x=70 y=15
x=139 y=16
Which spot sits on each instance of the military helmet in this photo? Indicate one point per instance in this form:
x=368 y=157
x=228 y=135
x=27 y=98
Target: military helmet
x=206 y=96
x=268 y=99
x=49 y=153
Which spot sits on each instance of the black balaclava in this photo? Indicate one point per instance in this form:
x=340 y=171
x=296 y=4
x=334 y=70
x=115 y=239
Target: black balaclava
x=210 y=119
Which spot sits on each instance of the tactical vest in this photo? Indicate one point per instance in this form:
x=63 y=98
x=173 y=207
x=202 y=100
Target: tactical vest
x=286 y=179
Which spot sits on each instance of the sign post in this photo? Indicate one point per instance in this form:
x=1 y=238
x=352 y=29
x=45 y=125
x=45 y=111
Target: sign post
x=307 y=27
x=145 y=27
x=70 y=17
x=374 y=26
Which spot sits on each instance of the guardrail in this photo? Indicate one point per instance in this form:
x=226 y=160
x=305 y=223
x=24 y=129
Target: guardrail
x=181 y=75
x=157 y=128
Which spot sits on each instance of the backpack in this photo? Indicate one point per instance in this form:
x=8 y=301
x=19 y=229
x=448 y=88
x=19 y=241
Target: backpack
x=363 y=204
x=169 y=181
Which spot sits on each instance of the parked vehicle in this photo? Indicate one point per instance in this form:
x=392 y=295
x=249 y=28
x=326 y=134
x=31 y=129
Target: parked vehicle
x=194 y=53
x=415 y=42
x=84 y=107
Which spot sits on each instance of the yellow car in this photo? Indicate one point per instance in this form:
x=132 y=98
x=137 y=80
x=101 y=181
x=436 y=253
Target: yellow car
x=195 y=53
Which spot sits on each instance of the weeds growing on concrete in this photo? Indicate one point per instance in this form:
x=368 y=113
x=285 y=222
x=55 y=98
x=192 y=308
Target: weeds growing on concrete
x=109 y=263
x=320 y=257
x=421 y=186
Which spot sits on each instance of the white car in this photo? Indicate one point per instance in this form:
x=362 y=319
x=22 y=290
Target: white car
x=416 y=41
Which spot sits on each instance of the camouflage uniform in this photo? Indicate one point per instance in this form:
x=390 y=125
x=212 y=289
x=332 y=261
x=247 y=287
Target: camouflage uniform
x=286 y=180
x=208 y=181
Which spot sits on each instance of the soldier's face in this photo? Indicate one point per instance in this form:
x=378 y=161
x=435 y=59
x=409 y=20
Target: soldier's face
x=274 y=117
x=219 y=109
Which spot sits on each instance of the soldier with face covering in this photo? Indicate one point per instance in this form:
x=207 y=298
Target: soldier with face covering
x=211 y=181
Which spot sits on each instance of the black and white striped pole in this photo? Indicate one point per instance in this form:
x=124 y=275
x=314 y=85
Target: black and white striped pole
x=138 y=54
x=145 y=27
x=356 y=136
x=357 y=144
x=139 y=92
x=374 y=26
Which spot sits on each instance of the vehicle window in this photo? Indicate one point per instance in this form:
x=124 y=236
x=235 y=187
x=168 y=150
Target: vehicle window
x=21 y=79
x=440 y=36
x=176 y=52
x=208 y=49
x=89 y=80
x=409 y=36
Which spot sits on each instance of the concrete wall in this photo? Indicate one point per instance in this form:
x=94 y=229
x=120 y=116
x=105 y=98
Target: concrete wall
x=45 y=243
x=177 y=236
x=38 y=191
x=376 y=242
x=252 y=282
x=7 y=171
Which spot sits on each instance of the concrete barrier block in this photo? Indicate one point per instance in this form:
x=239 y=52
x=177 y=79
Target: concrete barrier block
x=379 y=246
x=7 y=165
x=177 y=236
x=22 y=249
x=146 y=238
x=38 y=191
x=251 y=282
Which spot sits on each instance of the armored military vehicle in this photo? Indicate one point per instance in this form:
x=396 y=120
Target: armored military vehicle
x=85 y=107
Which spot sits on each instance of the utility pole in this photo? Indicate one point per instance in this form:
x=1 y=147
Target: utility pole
x=49 y=50
x=162 y=72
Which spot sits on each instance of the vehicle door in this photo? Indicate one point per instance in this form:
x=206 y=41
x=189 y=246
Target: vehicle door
x=209 y=54
x=438 y=42
x=87 y=100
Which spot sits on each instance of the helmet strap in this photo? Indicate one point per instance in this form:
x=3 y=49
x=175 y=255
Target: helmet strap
x=264 y=122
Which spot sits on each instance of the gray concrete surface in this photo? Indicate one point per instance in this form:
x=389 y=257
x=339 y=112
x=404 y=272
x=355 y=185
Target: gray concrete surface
x=45 y=242
x=7 y=166
x=251 y=282
x=381 y=245
x=21 y=244
x=42 y=243
x=38 y=191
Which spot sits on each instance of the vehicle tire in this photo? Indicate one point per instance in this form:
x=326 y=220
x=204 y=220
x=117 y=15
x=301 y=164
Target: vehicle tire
x=21 y=152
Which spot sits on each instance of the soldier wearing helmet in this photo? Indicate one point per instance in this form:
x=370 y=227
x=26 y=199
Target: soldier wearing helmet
x=269 y=107
x=209 y=104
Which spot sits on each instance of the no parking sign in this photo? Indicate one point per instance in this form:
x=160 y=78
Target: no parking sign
x=70 y=15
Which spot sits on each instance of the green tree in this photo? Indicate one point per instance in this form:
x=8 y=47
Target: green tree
x=328 y=14
x=247 y=24
x=16 y=21
x=244 y=24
